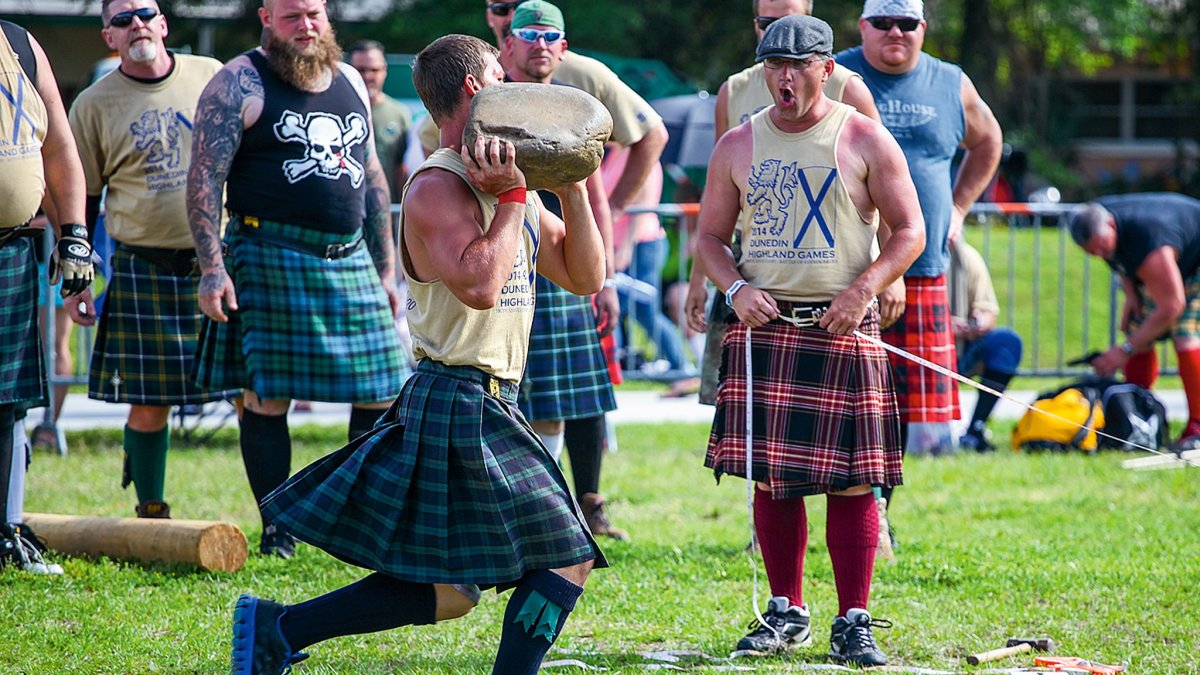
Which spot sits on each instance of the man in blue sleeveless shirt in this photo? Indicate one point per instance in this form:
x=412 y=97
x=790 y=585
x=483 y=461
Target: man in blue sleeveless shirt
x=933 y=109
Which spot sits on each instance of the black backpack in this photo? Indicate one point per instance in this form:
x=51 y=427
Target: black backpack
x=1133 y=415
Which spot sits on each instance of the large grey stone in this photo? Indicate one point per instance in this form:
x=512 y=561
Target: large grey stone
x=559 y=131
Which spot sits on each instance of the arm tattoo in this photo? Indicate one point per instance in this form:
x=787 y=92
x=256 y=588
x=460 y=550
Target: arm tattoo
x=377 y=228
x=215 y=139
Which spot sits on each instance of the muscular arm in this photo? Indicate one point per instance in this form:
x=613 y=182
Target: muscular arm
x=983 y=143
x=64 y=173
x=642 y=157
x=571 y=253
x=443 y=226
x=1159 y=273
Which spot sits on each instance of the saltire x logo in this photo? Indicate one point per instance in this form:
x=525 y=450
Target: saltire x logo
x=814 y=212
x=183 y=120
x=19 y=104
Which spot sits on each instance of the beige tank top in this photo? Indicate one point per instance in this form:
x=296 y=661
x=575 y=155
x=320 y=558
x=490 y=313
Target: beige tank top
x=496 y=340
x=748 y=94
x=802 y=237
x=22 y=130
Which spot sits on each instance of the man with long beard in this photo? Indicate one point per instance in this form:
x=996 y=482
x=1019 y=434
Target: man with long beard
x=133 y=129
x=303 y=310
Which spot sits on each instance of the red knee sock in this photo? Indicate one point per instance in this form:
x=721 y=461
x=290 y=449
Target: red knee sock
x=1142 y=369
x=782 y=529
x=852 y=533
x=1189 y=372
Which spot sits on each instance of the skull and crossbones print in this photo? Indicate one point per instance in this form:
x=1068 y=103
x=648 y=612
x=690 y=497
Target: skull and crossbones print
x=328 y=143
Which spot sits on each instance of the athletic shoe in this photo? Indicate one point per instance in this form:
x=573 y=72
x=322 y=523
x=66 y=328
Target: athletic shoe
x=16 y=550
x=787 y=628
x=275 y=541
x=851 y=639
x=597 y=520
x=977 y=442
x=30 y=536
x=1189 y=439
x=153 y=508
x=259 y=647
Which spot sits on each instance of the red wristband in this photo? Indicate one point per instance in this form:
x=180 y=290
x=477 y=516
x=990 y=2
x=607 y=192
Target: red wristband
x=513 y=196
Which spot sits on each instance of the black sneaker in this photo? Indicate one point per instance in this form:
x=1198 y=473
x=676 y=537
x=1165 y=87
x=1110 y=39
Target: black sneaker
x=259 y=648
x=31 y=537
x=18 y=551
x=275 y=541
x=787 y=628
x=851 y=639
x=976 y=441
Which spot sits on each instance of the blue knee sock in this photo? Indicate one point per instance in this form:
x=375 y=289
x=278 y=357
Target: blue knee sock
x=536 y=612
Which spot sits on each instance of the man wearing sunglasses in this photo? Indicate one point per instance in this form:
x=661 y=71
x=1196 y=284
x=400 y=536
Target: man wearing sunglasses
x=134 y=131
x=806 y=183
x=301 y=300
x=39 y=162
x=932 y=109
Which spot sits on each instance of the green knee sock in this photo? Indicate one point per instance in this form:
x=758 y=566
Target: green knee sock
x=146 y=454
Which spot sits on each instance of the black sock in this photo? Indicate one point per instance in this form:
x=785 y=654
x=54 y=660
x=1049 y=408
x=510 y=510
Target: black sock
x=7 y=420
x=266 y=452
x=377 y=602
x=363 y=420
x=986 y=402
x=534 y=617
x=585 y=446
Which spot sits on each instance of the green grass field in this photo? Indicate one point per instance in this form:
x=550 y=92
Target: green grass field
x=1103 y=560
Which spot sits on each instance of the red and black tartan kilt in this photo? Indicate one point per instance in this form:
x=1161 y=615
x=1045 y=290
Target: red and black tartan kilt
x=824 y=413
x=924 y=329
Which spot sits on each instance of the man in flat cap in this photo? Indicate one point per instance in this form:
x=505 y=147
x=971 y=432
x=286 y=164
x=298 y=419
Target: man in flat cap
x=804 y=283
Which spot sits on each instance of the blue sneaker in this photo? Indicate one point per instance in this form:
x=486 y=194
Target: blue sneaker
x=258 y=645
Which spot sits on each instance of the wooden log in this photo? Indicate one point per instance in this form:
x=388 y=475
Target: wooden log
x=210 y=545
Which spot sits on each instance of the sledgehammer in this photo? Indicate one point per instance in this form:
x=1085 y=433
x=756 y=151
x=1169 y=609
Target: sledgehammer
x=1015 y=646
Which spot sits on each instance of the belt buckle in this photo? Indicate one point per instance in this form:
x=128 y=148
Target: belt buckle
x=334 y=251
x=803 y=317
x=494 y=387
x=250 y=221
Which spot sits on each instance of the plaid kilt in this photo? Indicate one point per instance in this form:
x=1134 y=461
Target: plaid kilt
x=824 y=413
x=925 y=330
x=566 y=376
x=306 y=328
x=147 y=337
x=22 y=365
x=452 y=486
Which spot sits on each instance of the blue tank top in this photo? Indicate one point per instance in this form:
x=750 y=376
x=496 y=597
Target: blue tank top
x=923 y=110
x=303 y=161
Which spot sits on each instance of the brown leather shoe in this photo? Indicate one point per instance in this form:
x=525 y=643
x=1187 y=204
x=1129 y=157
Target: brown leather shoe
x=153 y=508
x=592 y=505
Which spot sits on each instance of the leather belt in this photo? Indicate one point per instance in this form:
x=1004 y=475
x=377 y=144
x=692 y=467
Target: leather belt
x=250 y=228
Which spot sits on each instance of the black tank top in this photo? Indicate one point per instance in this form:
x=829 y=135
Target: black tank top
x=302 y=162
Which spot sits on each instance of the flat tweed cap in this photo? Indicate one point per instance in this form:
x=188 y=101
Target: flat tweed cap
x=537 y=13
x=796 y=37
x=912 y=9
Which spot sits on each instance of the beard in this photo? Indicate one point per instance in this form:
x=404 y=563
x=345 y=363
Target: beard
x=143 y=51
x=304 y=68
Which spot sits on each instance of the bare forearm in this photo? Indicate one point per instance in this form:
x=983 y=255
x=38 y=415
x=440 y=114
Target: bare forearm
x=976 y=171
x=583 y=246
x=66 y=186
x=377 y=228
x=598 y=199
x=715 y=259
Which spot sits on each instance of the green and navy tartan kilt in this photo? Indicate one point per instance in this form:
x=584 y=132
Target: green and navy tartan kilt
x=452 y=486
x=146 y=340
x=306 y=328
x=22 y=368
x=825 y=416
x=566 y=377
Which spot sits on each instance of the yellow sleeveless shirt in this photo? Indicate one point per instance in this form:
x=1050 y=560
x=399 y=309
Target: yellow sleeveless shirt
x=22 y=131
x=495 y=340
x=802 y=237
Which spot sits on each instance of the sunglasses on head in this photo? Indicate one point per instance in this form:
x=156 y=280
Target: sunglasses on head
x=125 y=19
x=885 y=23
x=532 y=35
x=763 y=21
x=503 y=8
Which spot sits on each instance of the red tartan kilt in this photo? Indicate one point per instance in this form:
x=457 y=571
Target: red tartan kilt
x=924 y=395
x=825 y=415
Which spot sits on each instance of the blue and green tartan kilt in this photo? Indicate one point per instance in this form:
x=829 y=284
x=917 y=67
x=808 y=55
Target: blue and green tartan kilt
x=22 y=367
x=452 y=486
x=306 y=328
x=566 y=377
x=146 y=340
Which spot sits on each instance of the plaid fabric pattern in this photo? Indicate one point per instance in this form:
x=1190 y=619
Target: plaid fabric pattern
x=22 y=369
x=924 y=329
x=824 y=413
x=307 y=328
x=146 y=340
x=452 y=486
x=566 y=377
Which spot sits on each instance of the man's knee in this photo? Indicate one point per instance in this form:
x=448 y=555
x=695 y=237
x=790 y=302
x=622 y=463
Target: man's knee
x=1004 y=349
x=855 y=491
x=454 y=601
x=256 y=405
x=148 y=418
